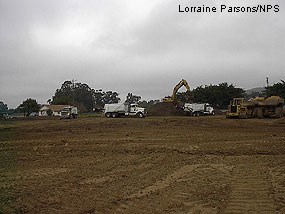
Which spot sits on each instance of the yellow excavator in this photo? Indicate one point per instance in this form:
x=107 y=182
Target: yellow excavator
x=173 y=98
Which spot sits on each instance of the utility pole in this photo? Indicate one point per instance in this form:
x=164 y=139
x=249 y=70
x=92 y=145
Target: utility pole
x=267 y=82
x=73 y=90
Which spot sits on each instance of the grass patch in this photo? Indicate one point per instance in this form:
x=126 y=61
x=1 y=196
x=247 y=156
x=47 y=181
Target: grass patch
x=7 y=183
x=7 y=130
x=7 y=167
x=86 y=115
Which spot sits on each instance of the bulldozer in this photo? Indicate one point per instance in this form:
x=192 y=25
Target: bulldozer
x=237 y=108
x=173 y=97
x=258 y=107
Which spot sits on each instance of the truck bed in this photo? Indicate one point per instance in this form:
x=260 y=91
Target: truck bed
x=116 y=107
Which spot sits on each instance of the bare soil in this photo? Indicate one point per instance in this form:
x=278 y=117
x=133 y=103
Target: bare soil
x=152 y=165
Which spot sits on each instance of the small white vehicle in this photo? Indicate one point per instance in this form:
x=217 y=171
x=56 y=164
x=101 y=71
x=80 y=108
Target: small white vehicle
x=124 y=109
x=197 y=109
x=69 y=112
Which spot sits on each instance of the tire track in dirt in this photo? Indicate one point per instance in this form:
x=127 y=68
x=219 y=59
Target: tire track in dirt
x=31 y=174
x=180 y=185
x=251 y=191
x=159 y=185
x=113 y=175
x=205 y=190
x=277 y=176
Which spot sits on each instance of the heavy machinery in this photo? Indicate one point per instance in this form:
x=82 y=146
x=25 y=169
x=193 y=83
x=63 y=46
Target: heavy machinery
x=124 y=109
x=237 y=108
x=198 y=109
x=258 y=107
x=69 y=112
x=173 y=98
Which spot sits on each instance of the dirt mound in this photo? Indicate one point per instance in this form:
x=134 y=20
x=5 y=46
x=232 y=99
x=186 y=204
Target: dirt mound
x=164 y=109
x=219 y=112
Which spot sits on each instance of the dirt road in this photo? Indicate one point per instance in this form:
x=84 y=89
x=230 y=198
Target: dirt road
x=150 y=165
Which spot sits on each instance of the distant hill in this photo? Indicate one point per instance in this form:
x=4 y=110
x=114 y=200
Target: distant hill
x=254 y=90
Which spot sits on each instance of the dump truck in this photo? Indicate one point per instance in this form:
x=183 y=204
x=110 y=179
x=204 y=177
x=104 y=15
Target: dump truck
x=124 y=109
x=197 y=109
x=69 y=112
x=258 y=107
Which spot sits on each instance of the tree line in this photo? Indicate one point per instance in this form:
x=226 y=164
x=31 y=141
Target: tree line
x=89 y=100
x=83 y=96
x=217 y=95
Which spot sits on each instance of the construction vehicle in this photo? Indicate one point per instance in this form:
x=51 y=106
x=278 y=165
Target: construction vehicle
x=237 y=108
x=198 y=109
x=124 y=109
x=173 y=98
x=69 y=112
x=258 y=107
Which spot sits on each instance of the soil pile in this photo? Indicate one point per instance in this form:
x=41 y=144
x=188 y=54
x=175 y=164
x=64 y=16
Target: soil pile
x=219 y=112
x=165 y=109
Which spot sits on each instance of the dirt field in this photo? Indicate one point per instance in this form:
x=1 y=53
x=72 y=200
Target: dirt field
x=151 y=165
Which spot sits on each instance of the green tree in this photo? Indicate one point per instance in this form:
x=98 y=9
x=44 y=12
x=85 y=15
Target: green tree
x=278 y=89
x=217 y=95
x=83 y=96
x=64 y=95
x=3 y=107
x=28 y=106
x=110 y=97
x=72 y=93
x=11 y=111
x=101 y=98
x=62 y=101
x=147 y=104
x=132 y=98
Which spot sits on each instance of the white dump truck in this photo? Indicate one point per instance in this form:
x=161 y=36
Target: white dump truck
x=124 y=109
x=197 y=109
x=69 y=112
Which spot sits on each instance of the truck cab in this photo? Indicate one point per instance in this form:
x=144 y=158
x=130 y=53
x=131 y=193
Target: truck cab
x=135 y=110
x=69 y=112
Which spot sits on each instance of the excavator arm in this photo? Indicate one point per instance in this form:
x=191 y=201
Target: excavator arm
x=173 y=98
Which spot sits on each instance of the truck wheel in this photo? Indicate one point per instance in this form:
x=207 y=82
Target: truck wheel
x=114 y=115
x=278 y=112
x=140 y=115
x=108 y=114
x=259 y=113
x=243 y=115
x=197 y=114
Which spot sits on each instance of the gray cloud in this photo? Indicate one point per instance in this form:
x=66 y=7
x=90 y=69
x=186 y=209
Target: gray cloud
x=144 y=47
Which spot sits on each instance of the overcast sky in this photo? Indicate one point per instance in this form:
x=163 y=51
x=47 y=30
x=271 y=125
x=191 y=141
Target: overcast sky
x=139 y=46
